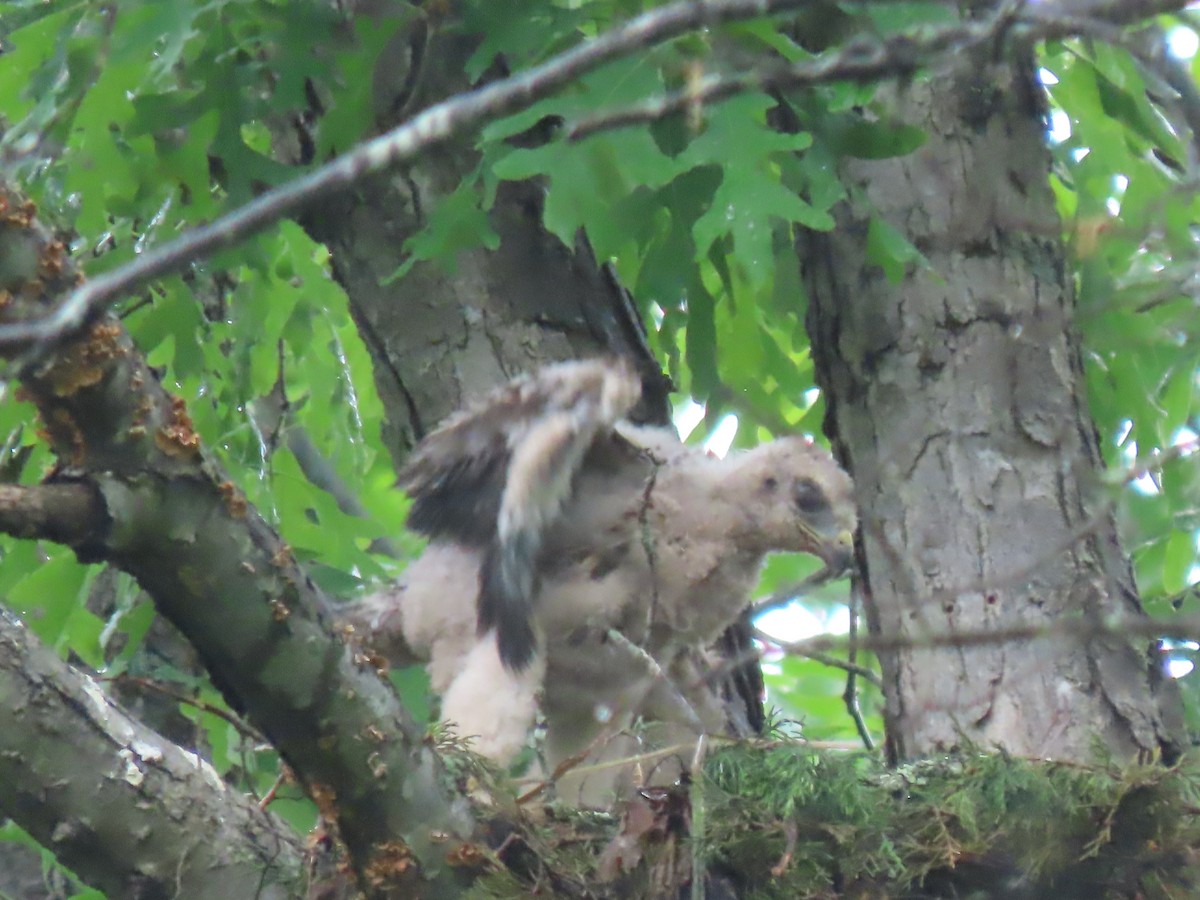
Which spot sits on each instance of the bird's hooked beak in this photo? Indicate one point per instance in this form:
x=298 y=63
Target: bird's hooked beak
x=833 y=545
x=838 y=553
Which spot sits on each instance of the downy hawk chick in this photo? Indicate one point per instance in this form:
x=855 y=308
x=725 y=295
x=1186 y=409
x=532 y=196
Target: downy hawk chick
x=554 y=523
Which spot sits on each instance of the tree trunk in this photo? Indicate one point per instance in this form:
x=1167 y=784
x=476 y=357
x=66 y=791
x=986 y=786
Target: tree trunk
x=439 y=337
x=956 y=400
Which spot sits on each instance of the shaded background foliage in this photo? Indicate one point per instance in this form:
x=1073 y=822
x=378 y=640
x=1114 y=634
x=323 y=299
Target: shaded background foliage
x=133 y=121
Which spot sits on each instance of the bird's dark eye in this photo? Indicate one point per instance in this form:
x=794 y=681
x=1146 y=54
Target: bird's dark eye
x=809 y=497
x=770 y=483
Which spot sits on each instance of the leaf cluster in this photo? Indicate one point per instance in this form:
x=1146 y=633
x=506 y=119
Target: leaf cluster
x=1126 y=184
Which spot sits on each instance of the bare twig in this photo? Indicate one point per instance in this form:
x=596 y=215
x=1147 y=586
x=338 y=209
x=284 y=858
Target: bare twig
x=825 y=659
x=861 y=59
x=791 y=833
x=281 y=779
x=796 y=589
x=640 y=657
x=572 y=763
x=1078 y=628
x=1149 y=47
x=245 y=729
x=855 y=671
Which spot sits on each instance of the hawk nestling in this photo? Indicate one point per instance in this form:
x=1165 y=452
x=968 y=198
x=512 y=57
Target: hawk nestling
x=586 y=562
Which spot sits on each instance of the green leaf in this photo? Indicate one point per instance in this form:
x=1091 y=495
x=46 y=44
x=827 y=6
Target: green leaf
x=412 y=684
x=852 y=136
x=520 y=30
x=751 y=194
x=457 y=224
x=48 y=598
x=1179 y=557
x=891 y=250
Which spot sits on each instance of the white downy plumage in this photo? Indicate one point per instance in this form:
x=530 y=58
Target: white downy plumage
x=583 y=564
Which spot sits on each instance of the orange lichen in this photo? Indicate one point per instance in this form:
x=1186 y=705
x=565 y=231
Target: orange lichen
x=365 y=656
x=379 y=663
x=62 y=433
x=325 y=799
x=375 y=763
x=85 y=362
x=178 y=438
x=466 y=855
x=143 y=411
x=235 y=500
x=22 y=216
x=279 y=610
x=283 y=557
x=391 y=860
x=53 y=259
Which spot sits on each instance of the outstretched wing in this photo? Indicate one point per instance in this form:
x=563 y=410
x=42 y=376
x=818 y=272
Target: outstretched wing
x=498 y=474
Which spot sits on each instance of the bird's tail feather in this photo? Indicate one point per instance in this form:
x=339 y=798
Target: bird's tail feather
x=506 y=591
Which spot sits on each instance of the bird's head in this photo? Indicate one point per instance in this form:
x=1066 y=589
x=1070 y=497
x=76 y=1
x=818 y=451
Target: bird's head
x=796 y=497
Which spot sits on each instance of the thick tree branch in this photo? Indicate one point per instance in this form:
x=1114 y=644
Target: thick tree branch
x=64 y=513
x=218 y=572
x=129 y=811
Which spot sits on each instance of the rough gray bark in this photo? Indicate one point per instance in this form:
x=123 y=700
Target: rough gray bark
x=956 y=401
x=126 y=809
x=438 y=337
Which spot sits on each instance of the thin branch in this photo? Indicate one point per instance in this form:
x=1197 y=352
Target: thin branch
x=216 y=569
x=1080 y=628
x=245 y=729
x=825 y=659
x=850 y=694
x=435 y=125
x=1149 y=47
x=861 y=59
x=869 y=59
x=657 y=677
x=796 y=589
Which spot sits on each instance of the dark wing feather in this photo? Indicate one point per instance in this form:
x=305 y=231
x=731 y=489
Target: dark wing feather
x=739 y=678
x=460 y=500
x=499 y=474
